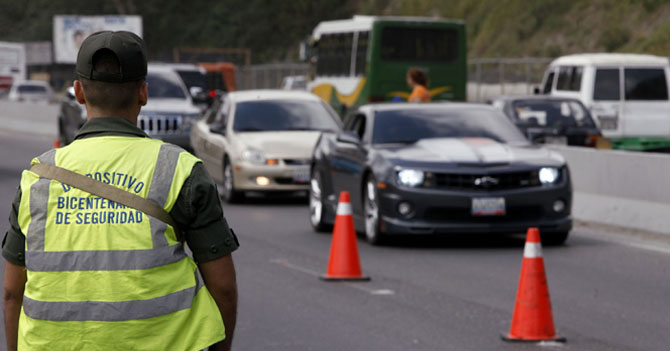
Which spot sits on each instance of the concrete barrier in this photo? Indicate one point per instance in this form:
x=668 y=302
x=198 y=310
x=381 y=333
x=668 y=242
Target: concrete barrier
x=626 y=189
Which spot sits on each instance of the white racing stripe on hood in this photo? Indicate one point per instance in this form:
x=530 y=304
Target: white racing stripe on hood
x=467 y=150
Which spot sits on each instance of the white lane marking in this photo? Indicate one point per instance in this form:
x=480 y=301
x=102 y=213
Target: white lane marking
x=626 y=240
x=383 y=292
x=344 y=209
x=359 y=286
x=532 y=250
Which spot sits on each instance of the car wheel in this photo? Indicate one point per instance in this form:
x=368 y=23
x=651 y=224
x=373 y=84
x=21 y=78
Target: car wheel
x=316 y=206
x=229 y=194
x=554 y=238
x=371 y=208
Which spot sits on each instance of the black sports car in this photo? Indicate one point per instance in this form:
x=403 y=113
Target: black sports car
x=439 y=168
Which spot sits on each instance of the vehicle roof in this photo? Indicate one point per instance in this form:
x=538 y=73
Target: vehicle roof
x=32 y=82
x=440 y=106
x=531 y=97
x=270 y=94
x=178 y=66
x=160 y=68
x=611 y=59
x=364 y=23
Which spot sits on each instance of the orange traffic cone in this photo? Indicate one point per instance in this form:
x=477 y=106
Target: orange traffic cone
x=56 y=143
x=532 y=320
x=344 y=263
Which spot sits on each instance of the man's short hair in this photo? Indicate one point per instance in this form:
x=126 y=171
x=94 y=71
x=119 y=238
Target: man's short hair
x=106 y=95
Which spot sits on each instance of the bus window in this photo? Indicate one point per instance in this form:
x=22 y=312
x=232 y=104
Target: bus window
x=419 y=44
x=334 y=55
x=361 y=53
x=343 y=54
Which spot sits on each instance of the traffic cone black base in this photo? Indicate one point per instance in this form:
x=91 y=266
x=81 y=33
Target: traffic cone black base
x=530 y=341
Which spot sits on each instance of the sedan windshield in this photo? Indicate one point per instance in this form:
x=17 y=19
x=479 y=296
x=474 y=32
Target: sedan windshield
x=410 y=125
x=165 y=86
x=283 y=115
x=551 y=113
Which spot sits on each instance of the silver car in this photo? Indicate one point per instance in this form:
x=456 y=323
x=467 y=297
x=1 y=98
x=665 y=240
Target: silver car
x=262 y=140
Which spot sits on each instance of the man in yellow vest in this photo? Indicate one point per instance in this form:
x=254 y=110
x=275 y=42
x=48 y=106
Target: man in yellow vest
x=87 y=273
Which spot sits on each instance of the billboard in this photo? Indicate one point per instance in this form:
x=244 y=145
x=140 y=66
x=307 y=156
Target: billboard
x=70 y=31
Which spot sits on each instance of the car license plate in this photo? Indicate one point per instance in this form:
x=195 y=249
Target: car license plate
x=556 y=140
x=488 y=206
x=301 y=175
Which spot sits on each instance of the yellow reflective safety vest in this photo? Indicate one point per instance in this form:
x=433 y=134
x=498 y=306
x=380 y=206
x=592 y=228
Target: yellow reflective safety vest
x=102 y=276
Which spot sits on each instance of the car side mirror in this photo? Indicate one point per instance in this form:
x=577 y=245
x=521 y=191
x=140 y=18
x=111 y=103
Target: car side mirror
x=348 y=137
x=218 y=128
x=536 y=91
x=198 y=95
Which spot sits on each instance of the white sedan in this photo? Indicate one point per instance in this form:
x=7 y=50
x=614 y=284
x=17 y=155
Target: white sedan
x=262 y=140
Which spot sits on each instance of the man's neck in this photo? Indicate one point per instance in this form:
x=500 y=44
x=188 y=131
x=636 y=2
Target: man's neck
x=97 y=113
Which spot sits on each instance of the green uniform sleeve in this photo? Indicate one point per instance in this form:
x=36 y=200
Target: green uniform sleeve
x=14 y=243
x=199 y=215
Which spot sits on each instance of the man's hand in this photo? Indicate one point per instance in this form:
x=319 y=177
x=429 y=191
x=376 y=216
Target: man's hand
x=15 y=283
x=219 y=277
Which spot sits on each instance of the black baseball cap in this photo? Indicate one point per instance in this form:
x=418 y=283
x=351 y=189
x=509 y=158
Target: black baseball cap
x=128 y=48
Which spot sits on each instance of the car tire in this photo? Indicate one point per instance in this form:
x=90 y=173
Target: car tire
x=554 y=238
x=316 y=204
x=229 y=194
x=371 y=211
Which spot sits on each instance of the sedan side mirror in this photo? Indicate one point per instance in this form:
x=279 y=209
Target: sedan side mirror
x=348 y=137
x=217 y=128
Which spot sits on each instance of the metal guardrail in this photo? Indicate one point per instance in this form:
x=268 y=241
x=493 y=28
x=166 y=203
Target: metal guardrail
x=486 y=76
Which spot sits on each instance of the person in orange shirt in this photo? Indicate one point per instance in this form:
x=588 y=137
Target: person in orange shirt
x=418 y=81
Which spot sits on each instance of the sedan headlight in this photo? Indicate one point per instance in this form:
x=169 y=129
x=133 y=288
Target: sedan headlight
x=410 y=177
x=254 y=156
x=548 y=175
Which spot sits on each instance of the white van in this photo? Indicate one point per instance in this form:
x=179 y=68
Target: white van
x=627 y=94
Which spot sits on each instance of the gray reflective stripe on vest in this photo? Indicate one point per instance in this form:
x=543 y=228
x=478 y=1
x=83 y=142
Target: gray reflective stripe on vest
x=117 y=260
x=161 y=254
x=112 y=311
x=39 y=194
x=161 y=181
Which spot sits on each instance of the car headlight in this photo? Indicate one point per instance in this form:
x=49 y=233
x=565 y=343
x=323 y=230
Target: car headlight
x=548 y=175
x=410 y=177
x=254 y=156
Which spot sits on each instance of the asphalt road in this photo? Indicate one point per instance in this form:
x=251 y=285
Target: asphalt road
x=609 y=289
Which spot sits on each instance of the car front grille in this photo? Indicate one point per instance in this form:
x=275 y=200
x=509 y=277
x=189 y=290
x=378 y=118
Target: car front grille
x=485 y=182
x=296 y=162
x=464 y=214
x=159 y=124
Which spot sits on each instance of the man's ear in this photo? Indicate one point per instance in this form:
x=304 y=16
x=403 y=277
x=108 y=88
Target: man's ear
x=144 y=93
x=79 y=92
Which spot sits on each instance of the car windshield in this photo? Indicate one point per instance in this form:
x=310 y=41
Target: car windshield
x=194 y=79
x=409 y=125
x=164 y=86
x=31 y=89
x=283 y=115
x=551 y=113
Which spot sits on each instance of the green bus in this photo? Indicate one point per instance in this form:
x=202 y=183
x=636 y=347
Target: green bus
x=365 y=59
